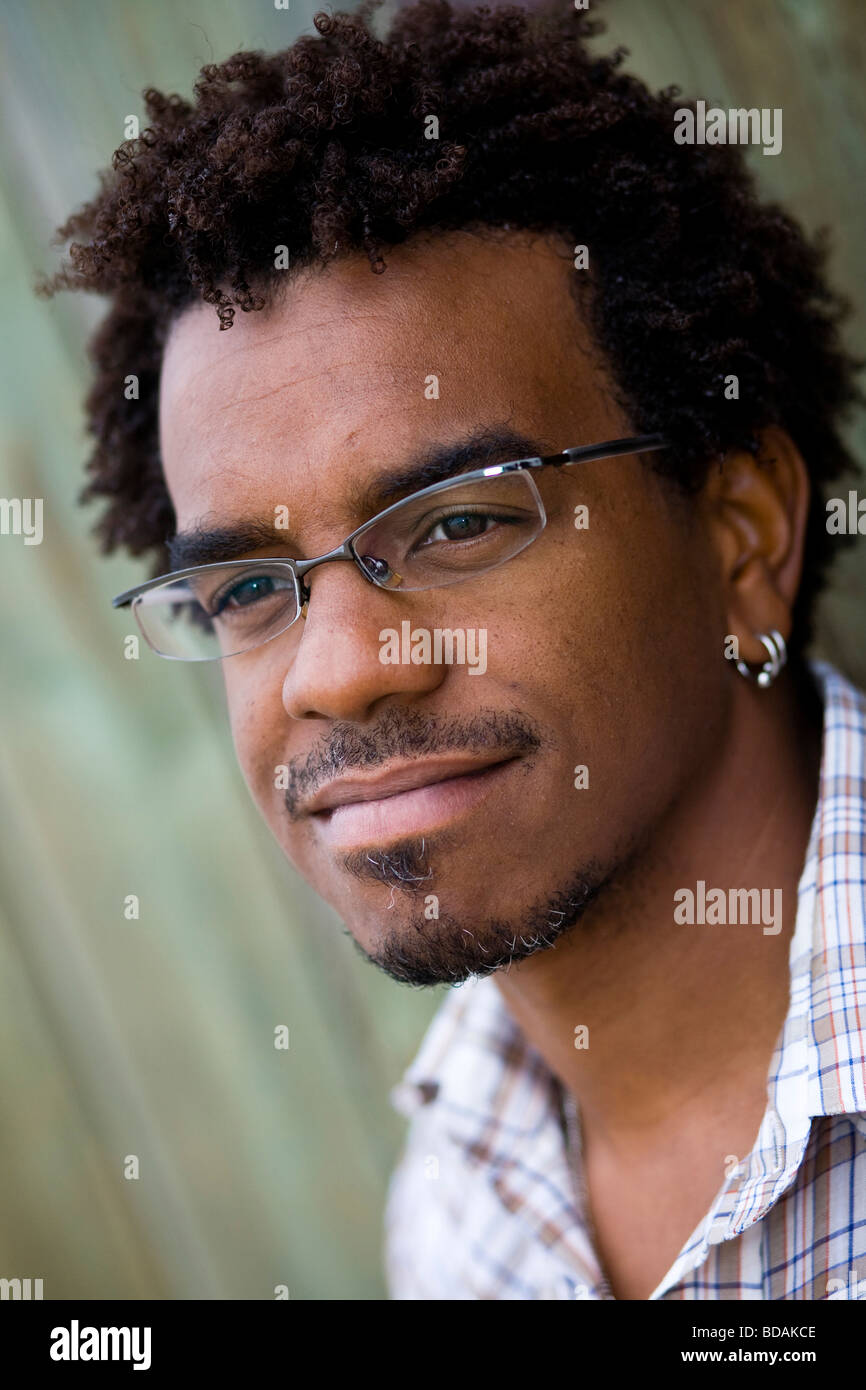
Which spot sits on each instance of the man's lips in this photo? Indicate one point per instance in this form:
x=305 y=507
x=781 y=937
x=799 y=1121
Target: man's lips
x=402 y=799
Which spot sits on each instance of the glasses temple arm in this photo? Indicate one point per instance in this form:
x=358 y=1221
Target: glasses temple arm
x=639 y=444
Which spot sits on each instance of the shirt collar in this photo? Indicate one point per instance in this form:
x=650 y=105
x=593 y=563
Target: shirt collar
x=480 y=1073
x=828 y=955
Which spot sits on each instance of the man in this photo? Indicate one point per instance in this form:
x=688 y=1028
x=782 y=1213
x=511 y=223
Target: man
x=546 y=732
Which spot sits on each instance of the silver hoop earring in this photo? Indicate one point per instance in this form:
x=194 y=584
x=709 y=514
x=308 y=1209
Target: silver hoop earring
x=777 y=652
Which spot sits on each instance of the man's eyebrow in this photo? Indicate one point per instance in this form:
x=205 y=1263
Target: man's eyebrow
x=201 y=545
x=212 y=545
x=483 y=447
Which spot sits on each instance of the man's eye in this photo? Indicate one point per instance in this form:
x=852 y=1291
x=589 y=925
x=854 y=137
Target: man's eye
x=461 y=526
x=244 y=592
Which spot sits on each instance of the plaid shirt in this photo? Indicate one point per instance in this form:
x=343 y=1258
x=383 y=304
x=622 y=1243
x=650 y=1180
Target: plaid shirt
x=483 y=1203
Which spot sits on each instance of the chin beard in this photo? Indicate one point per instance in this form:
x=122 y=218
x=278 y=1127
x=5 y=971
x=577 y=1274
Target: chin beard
x=448 y=950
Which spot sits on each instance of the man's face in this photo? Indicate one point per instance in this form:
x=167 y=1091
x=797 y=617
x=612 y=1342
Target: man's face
x=436 y=808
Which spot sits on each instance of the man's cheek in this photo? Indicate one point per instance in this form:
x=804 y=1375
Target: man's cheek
x=255 y=756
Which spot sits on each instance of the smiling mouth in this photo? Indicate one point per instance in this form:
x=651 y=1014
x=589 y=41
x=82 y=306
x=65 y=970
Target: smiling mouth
x=386 y=812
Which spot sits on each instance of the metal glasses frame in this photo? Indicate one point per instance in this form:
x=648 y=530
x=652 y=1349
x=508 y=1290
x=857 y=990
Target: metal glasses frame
x=299 y=569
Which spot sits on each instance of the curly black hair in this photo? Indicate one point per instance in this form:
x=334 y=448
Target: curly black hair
x=323 y=148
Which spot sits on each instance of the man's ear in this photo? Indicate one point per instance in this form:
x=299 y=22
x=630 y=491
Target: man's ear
x=756 y=510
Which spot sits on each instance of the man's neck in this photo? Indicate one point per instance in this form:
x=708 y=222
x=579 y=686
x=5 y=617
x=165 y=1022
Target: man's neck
x=679 y=1017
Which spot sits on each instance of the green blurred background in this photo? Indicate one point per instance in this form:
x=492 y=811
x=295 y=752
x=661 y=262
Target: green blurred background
x=155 y=1037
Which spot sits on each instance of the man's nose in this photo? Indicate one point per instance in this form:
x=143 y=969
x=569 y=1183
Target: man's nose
x=336 y=671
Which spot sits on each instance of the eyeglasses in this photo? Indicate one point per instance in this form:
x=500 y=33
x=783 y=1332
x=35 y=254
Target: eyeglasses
x=442 y=535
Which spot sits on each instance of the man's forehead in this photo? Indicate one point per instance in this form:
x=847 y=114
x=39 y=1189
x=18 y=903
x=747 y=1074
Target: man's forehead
x=347 y=365
x=460 y=296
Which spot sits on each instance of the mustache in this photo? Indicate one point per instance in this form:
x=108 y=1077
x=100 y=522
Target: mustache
x=404 y=733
